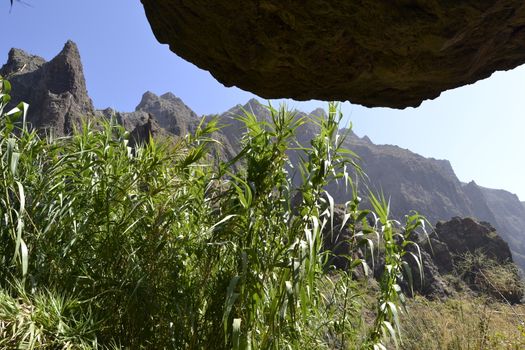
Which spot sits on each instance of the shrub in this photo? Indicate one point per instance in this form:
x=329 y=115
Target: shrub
x=498 y=280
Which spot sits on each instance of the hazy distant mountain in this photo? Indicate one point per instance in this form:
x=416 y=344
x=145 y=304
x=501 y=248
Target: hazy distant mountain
x=56 y=91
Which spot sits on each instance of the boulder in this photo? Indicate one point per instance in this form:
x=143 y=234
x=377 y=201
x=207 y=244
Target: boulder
x=466 y=235
x=375 y=53
x=432 y=285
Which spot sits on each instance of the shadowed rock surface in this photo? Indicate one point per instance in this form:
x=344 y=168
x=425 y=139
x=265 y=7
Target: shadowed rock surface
x=375 y=53
x=445 y=251
x=509 y=219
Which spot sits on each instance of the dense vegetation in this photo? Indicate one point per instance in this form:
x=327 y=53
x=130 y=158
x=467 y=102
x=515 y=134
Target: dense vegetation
x=167 y=246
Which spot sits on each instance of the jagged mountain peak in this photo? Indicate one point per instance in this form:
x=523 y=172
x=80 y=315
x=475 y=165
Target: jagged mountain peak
x=253 y=102
x=170 y=111
x=147 y=97
x=70 y=49
x=171 y=97
x=19 y=61
x=66 y=74
x=318 y=112
x=167 y=98
x=56 y=89
x=366 y=139
x=254 y=106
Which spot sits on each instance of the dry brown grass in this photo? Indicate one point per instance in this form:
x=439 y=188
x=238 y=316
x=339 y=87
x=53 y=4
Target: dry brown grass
x=464 y=322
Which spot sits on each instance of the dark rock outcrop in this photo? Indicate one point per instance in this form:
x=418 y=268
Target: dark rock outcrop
x=56 y=90
x=465 y=254
x=466 y=235
x=432 y=285
x=375 y=53
x=144 y=132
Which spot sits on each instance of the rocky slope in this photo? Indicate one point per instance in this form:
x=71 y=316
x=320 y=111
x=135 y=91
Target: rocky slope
x=56 y=91
x=375 y=53
x=463 y=253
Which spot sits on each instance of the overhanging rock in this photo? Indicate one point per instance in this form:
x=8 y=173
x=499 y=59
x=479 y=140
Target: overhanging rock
x=375 y=53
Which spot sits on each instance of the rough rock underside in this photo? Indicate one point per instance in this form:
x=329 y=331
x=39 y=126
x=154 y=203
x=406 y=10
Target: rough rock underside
x=375 y=53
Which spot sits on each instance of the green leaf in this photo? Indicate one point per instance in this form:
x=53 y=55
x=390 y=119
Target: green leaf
x=24 y=254
x=5 y=87
x=15 y=156
x=236 y=333
x=391 y=331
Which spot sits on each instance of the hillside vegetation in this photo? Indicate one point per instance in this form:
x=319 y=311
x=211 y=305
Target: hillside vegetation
x=165 y=246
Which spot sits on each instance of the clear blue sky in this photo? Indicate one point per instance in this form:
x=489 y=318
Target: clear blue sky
x=480 y=128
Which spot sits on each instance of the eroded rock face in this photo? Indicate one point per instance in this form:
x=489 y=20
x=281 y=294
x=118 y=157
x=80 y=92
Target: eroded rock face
x=374 y=53
x=56 y=90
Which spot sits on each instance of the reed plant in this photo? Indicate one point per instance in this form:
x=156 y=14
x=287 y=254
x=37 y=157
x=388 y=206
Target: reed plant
x=165 y=246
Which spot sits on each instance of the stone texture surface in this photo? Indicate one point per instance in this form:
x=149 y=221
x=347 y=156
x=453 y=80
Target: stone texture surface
x=509 y=219
x=56 y=90
x=374 y=53
x=466 y=235
x=432 y=285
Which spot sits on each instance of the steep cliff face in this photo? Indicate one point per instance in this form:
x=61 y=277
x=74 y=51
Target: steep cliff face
x=412 y=182
x=56 y=89
x=430 y=186
x=375 y=53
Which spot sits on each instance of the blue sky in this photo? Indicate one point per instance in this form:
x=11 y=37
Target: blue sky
x=479 y=128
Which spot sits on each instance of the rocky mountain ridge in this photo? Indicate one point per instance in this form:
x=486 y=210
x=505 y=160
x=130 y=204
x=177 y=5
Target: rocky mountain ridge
x=56 y=91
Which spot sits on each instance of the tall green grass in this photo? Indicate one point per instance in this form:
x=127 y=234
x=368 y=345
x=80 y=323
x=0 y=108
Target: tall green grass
x=164 y=246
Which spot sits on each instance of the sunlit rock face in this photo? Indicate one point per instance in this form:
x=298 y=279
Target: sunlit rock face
x=56 y=89
x=375 y=53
